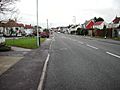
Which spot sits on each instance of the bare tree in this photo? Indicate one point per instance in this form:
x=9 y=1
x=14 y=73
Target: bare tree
x=7 y=7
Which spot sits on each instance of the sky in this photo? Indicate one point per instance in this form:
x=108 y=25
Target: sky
x=65 y=12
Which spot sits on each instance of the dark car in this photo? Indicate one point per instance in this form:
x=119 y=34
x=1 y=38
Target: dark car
x=44 y=34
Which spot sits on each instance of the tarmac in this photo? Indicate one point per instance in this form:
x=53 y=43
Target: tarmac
x=20 y=69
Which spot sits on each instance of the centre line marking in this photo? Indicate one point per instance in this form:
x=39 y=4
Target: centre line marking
x=113 y=54
x=92 y=46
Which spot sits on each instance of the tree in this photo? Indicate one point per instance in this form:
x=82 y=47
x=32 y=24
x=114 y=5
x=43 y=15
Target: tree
x=95 y=19
x=7 y=7
x=98 y=19
x=105 y=31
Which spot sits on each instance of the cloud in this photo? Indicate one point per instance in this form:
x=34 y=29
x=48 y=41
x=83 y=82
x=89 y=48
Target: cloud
x=62 y=11
x=116 y=3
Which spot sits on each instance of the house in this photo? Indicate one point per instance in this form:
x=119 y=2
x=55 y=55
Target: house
x=20 y=27
x=11 y=28
x=2 y=39
x=28 y=30
x=40 y=29
x=99 y=25
x=3 y=27
x=116 y=22
x=64 y=29
x=89 y=26
x=73 y=29
x=116 y=27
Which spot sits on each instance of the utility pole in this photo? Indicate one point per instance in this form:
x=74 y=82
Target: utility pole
x=38 y=38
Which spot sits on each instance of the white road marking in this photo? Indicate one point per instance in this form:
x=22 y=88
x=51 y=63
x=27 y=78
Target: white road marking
x=63 y=49
x=92 y=46
x=51 y=44
x=113 y=54
x=75 y=41
x=80 y=42
x=43 y=73
x=53 y=38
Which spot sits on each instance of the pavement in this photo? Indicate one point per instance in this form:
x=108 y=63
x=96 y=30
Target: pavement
x=8 y=59
x=20 y=69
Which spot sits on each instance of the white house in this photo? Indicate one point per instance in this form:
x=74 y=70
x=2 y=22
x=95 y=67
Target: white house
x=116 y=22
x=28 y=29
x=11 y=28
x=2 y=39
x=99 y=25
x=3 y=29
x=74 y=28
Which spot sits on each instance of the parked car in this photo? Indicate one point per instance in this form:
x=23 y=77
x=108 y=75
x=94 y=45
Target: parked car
x=44 y=34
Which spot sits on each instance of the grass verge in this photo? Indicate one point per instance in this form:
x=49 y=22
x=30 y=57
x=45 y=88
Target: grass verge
x=27 y=42
x=118 y=38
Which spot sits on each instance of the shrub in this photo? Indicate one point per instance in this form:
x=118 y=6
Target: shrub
x=4 y=48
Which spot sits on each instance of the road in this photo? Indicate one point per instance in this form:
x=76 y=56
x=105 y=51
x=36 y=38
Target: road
x=83 y=63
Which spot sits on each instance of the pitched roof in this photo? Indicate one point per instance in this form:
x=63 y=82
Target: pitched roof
x=28 y=27
x=99 y=23
x=11 y=23
x=89 y=24
x=116 y=20
x=20 y=25
x=2 y=24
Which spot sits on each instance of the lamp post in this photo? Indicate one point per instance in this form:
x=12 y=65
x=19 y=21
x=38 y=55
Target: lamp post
x=74 y=20
x=38 y=38
x=47 y=24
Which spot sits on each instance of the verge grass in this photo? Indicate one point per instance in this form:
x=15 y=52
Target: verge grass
x=26 y=42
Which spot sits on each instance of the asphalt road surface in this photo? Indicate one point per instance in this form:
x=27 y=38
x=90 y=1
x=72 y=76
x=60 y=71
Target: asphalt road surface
x=83 y=63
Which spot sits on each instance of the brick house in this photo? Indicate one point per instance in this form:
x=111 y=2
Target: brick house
x=89 y=27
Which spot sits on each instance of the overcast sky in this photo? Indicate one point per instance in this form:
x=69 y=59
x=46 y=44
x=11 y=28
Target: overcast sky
x=63 y=12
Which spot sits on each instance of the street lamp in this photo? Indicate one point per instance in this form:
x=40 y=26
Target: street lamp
x=38 y=38
x=74 y=20
x=47 y=24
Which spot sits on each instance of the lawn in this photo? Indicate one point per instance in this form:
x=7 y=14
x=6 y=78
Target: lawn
x=26 y=42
